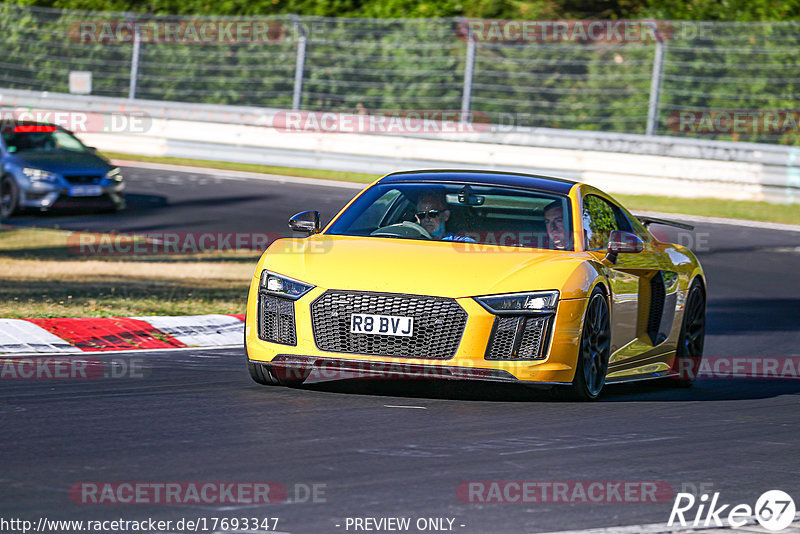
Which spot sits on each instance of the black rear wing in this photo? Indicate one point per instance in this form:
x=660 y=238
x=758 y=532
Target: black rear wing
x=647 y=221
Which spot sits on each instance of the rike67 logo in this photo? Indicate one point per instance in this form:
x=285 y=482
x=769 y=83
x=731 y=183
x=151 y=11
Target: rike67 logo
x=774 y=510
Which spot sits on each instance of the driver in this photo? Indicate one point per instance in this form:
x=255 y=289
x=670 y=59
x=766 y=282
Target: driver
x=432 y=214
x=554 y=222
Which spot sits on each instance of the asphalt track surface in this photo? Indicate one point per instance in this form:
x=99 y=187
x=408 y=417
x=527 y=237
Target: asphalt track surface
x=380 y=448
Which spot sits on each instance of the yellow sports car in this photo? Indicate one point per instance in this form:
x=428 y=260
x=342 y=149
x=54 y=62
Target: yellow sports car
x=477 y=275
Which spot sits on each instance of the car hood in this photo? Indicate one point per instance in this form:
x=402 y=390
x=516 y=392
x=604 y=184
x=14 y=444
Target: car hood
x=63 y=161
x=448 y=269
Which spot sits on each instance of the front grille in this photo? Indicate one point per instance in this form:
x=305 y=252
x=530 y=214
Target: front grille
x=438 y=324
x=657 y=296
x=84 y=179
x=276 y=320
x=518 y=338
x=102 y=202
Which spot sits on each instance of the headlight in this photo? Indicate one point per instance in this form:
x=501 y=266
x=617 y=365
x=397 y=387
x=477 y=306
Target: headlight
x=38 y=175
x=520 y=303
x=114 y=174
x=283 y=286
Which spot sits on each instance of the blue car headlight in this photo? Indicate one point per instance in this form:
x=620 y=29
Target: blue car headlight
x=520 y=303
x=114 y=174
x=283 y=286
x=39 y=175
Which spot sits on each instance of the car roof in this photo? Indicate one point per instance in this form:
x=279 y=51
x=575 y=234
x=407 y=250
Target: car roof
x=481 y=177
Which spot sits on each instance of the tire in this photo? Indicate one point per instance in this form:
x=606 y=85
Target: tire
x=278 y=376
x=9 y=197
x=689 y=352
x=595 y=350
x=261 y=374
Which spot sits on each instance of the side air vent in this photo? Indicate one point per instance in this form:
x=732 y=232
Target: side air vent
x=658 y=294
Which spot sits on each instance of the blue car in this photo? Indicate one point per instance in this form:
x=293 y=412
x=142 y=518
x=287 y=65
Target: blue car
x=46 y=167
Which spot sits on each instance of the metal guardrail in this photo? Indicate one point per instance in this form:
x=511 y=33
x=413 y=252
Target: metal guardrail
x=745 y=170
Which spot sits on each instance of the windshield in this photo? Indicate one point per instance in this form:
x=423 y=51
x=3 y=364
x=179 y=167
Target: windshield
x=460 y=212
x=41 y=139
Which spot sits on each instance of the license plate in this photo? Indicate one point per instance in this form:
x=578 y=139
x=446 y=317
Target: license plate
x=386 y=325
x=85 y=191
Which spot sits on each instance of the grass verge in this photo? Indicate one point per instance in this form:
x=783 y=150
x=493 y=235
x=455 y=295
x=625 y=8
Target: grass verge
x=43 y=277
x=714 y=207
x=709 y=207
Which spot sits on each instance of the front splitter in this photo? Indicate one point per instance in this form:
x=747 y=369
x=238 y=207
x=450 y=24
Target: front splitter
x=336 y=368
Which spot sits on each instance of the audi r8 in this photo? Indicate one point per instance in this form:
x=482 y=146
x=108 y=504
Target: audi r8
x=478 y=275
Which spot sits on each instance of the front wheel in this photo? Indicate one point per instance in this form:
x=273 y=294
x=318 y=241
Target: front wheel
x=261 y=375
x=268 y=375
x=595 y=350
x=9 y=197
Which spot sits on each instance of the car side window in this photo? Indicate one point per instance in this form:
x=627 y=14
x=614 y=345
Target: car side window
x=600 y=218
x=67 y=142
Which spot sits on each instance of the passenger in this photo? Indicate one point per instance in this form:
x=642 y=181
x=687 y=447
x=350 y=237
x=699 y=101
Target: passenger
x=554 y=222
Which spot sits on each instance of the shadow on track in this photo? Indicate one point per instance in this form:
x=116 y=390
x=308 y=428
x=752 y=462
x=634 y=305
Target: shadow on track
x=55 y=218
x=734 y=316
x=704 y=390
x=432 y=389
x=648 y=391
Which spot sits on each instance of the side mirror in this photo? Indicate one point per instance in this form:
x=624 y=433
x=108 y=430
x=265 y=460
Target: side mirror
x=306 y=222
x=619 y=242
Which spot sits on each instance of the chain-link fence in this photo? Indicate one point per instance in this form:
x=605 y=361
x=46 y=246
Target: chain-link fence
x=711 y=80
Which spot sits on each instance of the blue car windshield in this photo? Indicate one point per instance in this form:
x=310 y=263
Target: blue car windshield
x=44 y=139
x=492 y=215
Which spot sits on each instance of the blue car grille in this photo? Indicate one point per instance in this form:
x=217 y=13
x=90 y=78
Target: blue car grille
x=82 y=179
